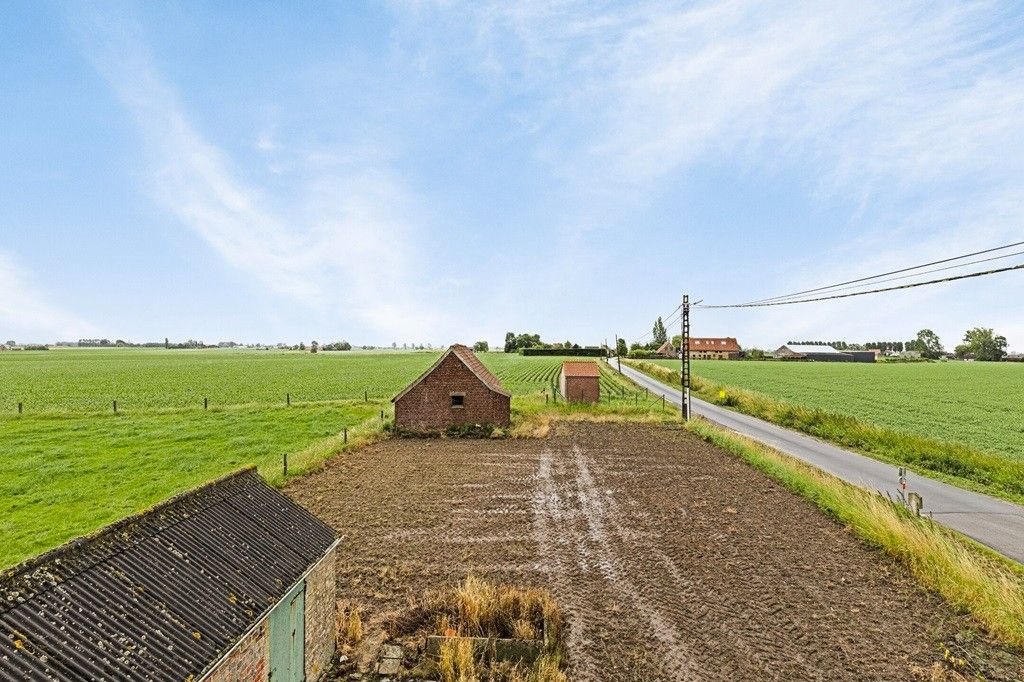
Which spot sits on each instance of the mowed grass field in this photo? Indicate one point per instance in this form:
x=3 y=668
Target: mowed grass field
x=70 y=465
x=977 y=404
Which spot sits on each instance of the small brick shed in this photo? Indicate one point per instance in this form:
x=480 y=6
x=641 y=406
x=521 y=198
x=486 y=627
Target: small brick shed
x=231 y=581
x=456 y=390
x=580 y=381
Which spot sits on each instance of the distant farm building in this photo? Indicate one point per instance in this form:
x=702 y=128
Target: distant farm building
x=667 y=350
x=231 y=581
x=580 y=382
x=795 y=351
x=727 y=348
x=457 y=390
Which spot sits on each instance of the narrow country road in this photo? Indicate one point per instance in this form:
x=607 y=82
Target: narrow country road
x=990 y=521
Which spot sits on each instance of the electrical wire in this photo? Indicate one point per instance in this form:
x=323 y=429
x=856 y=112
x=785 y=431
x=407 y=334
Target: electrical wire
x=916 y=274
x=885 y=274
x=872 y=291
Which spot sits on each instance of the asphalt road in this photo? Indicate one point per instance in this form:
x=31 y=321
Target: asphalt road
x=990 y=521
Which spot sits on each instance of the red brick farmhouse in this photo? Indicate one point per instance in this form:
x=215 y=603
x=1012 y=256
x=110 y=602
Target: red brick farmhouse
x=580 y=382
x=456 y=390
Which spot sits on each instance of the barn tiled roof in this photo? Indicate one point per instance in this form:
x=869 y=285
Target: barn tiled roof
x=726 y=344
x=162 y=595
x=470 y=360
x=580 y=368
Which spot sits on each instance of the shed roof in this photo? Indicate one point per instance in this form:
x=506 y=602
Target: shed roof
x=162 y=595
x=470 y=360
x=580 y=368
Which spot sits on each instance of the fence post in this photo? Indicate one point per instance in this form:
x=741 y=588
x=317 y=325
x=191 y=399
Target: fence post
x=19 y=408
x=382 y=415
x=285 y=456
x=345 y=432
x=366 y=396
x=206 y=403
x=115 y=407
x=288 y=399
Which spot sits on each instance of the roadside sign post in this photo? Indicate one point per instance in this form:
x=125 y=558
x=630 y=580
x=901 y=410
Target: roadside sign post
x=684 y=369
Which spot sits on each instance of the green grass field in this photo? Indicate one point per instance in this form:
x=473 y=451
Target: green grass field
x=71 y=465
x=977 y=404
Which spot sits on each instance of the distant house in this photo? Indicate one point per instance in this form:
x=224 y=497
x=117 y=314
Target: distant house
x=796 y=351
x=231 y=581
x=667 y=350
x=727 y=348
x=456 y=390
x=580 y=382
x=1013 y=357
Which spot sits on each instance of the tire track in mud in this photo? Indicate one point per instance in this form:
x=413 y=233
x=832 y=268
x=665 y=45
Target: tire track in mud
x=586 y=546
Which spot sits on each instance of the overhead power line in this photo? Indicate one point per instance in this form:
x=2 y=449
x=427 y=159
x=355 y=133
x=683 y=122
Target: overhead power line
x=915 y=274
x=872 y=291
x=886 y=274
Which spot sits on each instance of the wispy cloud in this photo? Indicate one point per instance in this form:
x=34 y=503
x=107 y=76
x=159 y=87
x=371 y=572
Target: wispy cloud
x=25 y=310
x=347 y=247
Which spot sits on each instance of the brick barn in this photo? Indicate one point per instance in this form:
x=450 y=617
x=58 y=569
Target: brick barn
x=457 y=389
x=580 y=382
x=231 y=581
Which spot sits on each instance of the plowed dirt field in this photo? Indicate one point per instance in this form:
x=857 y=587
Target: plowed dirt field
x=671 y=559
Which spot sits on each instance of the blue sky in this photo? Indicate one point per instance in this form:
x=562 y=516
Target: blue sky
x=446 y=171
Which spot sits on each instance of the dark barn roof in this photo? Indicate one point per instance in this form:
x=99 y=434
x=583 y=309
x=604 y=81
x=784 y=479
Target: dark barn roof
x=162 y=595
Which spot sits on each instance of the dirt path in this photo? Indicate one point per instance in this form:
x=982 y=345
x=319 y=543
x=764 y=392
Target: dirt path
x=671 y=559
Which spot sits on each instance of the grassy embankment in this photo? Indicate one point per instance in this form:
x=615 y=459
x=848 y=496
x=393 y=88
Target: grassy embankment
x=952 y=462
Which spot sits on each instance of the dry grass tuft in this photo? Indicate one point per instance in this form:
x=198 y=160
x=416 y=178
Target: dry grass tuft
x=457 y=663
x=354 y=626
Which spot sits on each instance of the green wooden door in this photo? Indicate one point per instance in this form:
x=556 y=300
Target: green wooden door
x=288 y=637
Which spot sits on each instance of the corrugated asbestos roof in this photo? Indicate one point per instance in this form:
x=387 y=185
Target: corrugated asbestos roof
x=470 y=360
x=579 y=368
x=162 y=595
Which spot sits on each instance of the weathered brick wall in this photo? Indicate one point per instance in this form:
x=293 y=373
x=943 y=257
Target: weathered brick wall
x=249 y=661
x=321 y=600
x=582 y=389
x=427 y=407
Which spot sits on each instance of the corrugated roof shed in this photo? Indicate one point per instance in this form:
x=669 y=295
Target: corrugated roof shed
x=470 y=360
x=159 y=596
x=578 y=368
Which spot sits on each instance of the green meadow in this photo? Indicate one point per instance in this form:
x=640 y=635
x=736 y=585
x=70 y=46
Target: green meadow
x=71 y=465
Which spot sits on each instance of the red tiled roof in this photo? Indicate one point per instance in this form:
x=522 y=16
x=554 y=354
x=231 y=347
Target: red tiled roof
x=726 y=344
x=470 y=360
x=473 y=362
x=580 y=368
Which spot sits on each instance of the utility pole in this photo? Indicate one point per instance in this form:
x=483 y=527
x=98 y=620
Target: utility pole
x=684 y=369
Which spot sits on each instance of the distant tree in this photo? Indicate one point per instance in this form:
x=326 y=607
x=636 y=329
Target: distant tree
x=314 y=347
x=756 y=354
x=677 y=340
x=985 y=344
x=660 y=335
x=302 y=345
x=510 y=342
x=927 y=344
x=620 y=348
x=394 y=345
x=635 y=346
x=962 y=351
x=481 y=347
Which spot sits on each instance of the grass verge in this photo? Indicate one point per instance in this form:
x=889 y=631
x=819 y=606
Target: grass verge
x=982 y=583
x=950 y=462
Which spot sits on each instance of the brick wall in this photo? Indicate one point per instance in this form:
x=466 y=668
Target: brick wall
x=321 y=600
x=581 y=389
x=248 y=662
x=427 y=407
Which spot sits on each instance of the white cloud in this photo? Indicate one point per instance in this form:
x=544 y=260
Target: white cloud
x=27 y=315
x=348 y=250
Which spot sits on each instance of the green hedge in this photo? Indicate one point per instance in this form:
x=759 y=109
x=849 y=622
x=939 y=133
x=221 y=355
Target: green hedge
x=580 y=352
